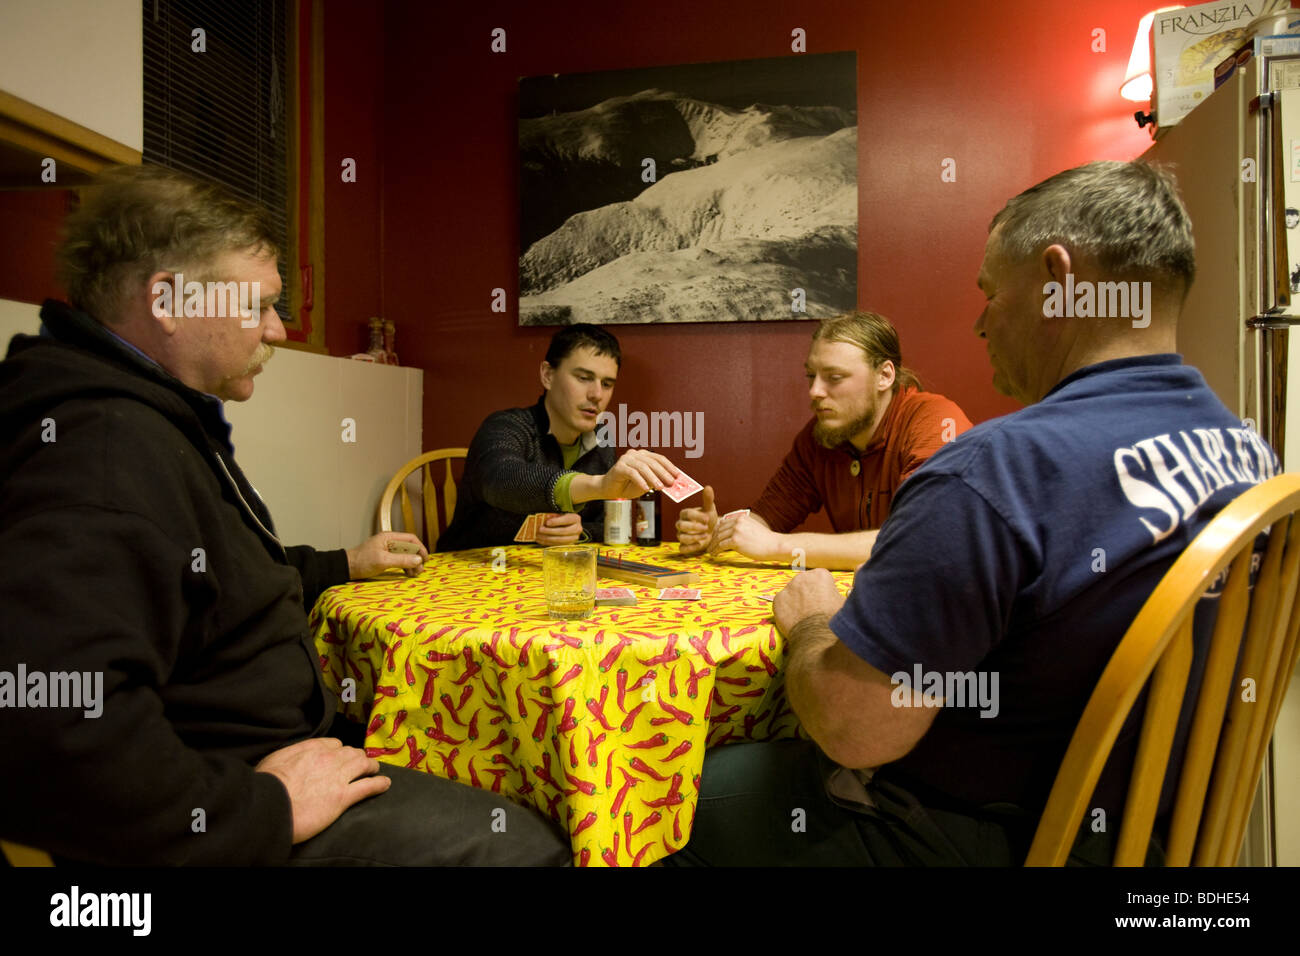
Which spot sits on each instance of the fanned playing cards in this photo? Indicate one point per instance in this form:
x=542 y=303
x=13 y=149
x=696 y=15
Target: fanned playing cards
x=532 y=524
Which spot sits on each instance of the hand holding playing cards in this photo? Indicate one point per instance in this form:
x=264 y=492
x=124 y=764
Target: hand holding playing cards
x=808 y=593
x=695 y=526
x=741 y=531
x=373 y=555
x=559 y=529
x=637 y=472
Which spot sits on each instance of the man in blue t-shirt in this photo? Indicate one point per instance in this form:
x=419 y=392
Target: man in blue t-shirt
x=941 y=696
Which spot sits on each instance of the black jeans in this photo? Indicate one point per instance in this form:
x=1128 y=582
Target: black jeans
x=767 y=804
x=423 y=820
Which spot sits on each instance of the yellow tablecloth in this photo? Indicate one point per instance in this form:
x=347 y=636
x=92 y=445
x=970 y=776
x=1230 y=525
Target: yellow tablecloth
x=601 y=724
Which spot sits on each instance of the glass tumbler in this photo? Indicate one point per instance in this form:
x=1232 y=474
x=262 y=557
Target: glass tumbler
x=569 y=579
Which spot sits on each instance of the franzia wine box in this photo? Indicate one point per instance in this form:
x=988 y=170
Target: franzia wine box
x=1189 y=43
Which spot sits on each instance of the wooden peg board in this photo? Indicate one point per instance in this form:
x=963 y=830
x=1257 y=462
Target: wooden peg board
x=647 y=575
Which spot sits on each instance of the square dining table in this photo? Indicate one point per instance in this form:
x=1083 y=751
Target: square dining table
x=600 y=723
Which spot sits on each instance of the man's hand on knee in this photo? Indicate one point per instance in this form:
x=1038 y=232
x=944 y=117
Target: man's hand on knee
x=323 y=778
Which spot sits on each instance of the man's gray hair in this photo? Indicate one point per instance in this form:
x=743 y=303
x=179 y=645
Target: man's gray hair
x=1127 y=217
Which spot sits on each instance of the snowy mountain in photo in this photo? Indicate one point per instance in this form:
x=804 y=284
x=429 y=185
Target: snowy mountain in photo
x=748 y=204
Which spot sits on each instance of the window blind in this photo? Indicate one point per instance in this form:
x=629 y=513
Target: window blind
x=219 y=113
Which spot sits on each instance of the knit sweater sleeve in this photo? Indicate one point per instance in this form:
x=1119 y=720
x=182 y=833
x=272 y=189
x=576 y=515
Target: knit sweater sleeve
x=507 y=468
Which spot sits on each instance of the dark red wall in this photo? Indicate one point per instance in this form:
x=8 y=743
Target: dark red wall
x=354 y=211
x=30 y=220
x=1012 y=92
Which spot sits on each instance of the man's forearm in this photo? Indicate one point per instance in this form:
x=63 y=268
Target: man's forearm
x=845 y=704
x=806 y=645
x=585 y=488
x=835 y=552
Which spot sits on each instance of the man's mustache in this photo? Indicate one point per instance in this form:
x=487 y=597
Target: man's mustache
x=260 y=357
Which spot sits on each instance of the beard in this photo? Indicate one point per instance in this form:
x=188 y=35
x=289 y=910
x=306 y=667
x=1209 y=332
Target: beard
x=830 y=437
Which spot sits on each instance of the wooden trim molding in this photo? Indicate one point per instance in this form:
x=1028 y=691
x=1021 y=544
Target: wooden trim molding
x=32 y=129
x=306 y=183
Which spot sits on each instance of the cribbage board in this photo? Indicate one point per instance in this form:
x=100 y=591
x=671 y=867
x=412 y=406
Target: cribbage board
x=636 y=572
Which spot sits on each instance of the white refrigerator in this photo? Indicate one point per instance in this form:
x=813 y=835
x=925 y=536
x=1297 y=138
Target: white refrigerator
x=1237 y=160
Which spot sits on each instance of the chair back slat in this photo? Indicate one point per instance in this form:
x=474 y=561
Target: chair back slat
x=1159 y=725
x=1207 y=722
x=1278 y=638
x=432 y=528
x=1233 y=797
x=408 y=517
x=1271 y=681
x=1256 y=635
x=1289 y=622
x=430 y=496
x=449 y=494
x=19 y=855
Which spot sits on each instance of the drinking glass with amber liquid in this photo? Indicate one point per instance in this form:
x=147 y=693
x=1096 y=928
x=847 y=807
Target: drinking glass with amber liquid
x=569 y=580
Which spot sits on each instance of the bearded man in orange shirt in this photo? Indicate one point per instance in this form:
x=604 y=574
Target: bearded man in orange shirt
x=873 y=427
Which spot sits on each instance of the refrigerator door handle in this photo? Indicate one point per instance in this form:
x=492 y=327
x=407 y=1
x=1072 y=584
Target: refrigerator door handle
x=1279 y=162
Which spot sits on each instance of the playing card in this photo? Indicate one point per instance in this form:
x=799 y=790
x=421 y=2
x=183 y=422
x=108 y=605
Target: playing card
x=766 y=597
x=738 y=511
x=683 y=488
x=679 y=594
x=406 y=547
x=614 y=596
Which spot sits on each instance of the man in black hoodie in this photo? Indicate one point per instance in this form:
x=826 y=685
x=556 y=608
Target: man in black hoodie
x=136 y=559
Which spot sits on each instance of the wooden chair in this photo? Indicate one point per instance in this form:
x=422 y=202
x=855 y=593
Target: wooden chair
x=19 y=855
x=432 y=527
x=1224 y=757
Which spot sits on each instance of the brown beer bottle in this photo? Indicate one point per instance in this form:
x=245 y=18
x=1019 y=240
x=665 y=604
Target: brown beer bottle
x=648 y=519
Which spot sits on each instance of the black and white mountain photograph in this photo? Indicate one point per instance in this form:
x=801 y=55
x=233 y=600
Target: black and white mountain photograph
x=700 y=193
